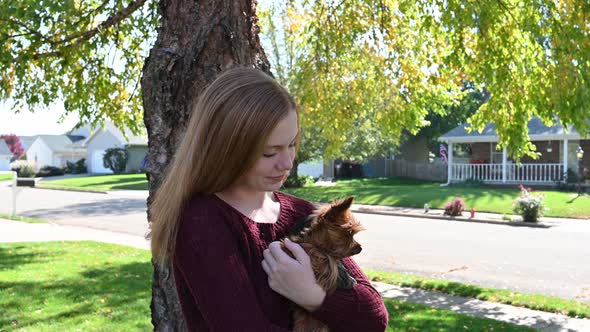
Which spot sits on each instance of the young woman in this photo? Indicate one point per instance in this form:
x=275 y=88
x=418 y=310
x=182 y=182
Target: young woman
x=218 y=215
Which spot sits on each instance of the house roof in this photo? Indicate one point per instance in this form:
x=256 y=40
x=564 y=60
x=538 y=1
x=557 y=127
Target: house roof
x=26 y=141
x=4 y=149
x=537 y=131
x=60 y=142
x=132 y=139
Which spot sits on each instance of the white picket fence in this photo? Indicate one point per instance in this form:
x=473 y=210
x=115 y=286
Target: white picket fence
x=531 y=173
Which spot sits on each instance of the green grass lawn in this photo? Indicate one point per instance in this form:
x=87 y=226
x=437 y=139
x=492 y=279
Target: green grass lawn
x=89 y=286
x=382 y=191
x=30 y=220
x=414 y=193
x=100 y=182
x=532 y=301
x=74 y=286
x=5 y=177
x=405 y=316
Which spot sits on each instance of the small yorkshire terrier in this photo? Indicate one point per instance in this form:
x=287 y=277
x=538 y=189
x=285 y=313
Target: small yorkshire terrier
x=327 y=237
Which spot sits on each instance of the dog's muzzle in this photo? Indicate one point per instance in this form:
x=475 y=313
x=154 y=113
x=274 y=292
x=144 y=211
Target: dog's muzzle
x=357 y=250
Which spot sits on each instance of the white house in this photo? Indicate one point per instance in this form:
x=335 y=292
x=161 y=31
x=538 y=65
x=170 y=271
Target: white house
x=26 y=141
x=5 y=155
x=54 y=150
x=109 y=136
x=85 y=143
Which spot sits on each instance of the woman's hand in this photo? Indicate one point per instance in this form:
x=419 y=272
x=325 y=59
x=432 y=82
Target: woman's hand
x=292 y=278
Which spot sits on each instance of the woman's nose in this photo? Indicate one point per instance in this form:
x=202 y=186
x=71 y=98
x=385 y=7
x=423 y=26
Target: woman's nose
x=285 y=160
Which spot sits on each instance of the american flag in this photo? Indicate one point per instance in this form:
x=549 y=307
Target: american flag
x=443 y=153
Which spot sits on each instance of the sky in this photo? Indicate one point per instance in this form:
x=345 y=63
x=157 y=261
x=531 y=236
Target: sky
x=42 y=121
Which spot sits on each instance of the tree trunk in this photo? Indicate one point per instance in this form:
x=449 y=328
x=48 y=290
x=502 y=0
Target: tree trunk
x=294 y=173
x=196 y=41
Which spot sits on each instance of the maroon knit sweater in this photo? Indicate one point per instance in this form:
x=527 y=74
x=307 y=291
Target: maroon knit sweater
x=222 y=286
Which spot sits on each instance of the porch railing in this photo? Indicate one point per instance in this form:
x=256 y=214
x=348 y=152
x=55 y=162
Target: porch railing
x=532 y=173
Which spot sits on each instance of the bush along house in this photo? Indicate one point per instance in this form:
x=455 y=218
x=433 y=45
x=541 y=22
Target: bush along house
x=474 y=156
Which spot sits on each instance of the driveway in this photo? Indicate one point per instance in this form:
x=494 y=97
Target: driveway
x=551 y=261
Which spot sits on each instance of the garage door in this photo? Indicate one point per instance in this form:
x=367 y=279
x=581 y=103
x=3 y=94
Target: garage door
x=97 y=166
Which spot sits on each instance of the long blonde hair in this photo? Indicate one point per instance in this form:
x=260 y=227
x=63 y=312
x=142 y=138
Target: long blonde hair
x=225 y=136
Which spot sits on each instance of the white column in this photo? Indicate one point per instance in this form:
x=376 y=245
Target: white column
x=450 y=162
x=565 y=157
x=14 y=193
x=504 y=175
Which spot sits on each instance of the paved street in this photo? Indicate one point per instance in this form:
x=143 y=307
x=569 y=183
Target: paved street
x=553 y=261
x=123 y=212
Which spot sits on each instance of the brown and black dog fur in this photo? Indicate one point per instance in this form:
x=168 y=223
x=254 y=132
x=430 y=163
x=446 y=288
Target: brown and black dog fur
x=327 y=237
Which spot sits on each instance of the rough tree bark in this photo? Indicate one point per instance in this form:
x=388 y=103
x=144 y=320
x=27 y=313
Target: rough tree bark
x=196 y=41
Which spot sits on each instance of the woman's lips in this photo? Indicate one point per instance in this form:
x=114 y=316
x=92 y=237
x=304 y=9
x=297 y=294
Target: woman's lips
x=277 y=178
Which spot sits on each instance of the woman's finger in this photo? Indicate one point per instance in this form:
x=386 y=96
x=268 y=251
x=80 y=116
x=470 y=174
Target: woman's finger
x=297 y=251
x=269 y=258
x=265 y=267
x=277 y=252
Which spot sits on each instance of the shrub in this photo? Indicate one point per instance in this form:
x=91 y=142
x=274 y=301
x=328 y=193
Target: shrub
x=23 y=169
x=455 y=208
x=471 y=183
x=68 y=168
x=299 y=181
x=572 y=176
x=79 y=167
x=115 y=159
x=50 y=171
x=529 y=206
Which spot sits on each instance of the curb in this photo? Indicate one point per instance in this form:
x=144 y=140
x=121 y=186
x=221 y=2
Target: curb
x=72 y=189
x=474 y=220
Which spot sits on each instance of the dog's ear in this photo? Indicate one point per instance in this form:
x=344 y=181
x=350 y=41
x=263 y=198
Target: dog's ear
x=343 y=204
x=338 y=207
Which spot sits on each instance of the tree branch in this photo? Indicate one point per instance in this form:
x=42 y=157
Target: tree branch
x=102 y=5
x=113 y=20
x=31 y=31
x=84 y=36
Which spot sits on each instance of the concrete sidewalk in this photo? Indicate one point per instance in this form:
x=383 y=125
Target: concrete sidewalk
x=540 y=320
x=479 y=217
x=13 y=231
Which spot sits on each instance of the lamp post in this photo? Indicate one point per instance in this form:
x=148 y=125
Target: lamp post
x=580 y=156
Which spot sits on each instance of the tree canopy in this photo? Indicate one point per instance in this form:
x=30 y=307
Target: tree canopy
x=369 y=67
x=387 y=64
x=88 y=54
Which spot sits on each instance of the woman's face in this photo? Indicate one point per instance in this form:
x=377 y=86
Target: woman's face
x=272 y=168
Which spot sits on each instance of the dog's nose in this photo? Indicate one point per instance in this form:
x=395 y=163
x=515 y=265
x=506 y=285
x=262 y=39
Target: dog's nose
x=357 y=250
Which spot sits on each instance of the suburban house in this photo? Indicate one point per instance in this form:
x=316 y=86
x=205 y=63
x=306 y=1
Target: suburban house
x=5 y=156
x=474 y=155
x=85 y=143
x=26 y=141
x=109 y=136
x=412 y=159
x=54 y=150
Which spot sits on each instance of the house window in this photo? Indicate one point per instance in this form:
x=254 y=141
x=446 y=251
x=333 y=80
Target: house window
x=495 y=155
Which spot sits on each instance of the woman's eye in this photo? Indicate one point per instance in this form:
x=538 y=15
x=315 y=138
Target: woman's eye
x=269 y=155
